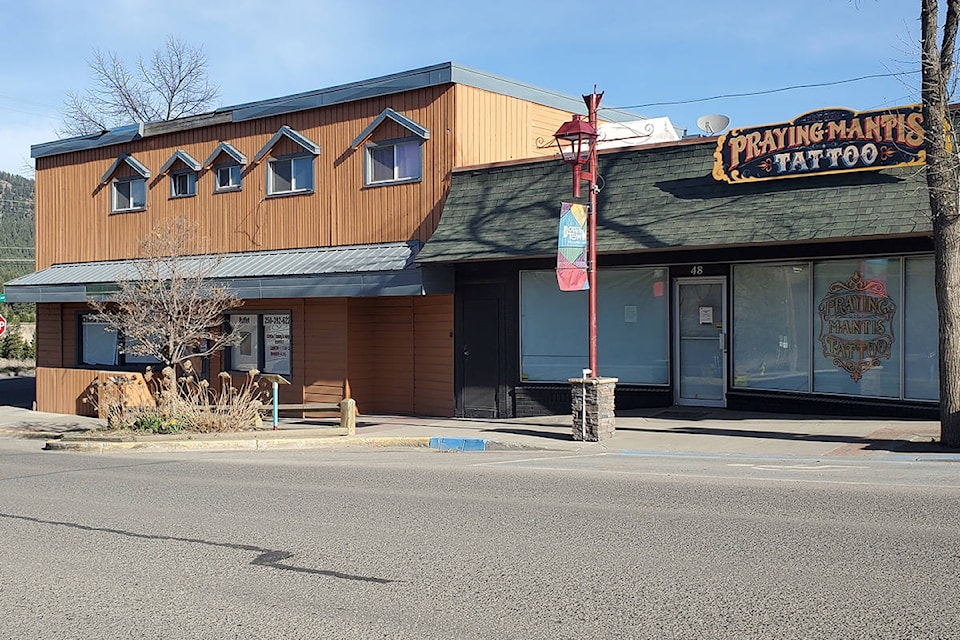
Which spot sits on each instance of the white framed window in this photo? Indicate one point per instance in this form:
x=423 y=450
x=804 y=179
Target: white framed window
x=183 y=184
x=265 y=342
x=228 y=177
x=393 y=161
x=290 y=175
x=129 y=194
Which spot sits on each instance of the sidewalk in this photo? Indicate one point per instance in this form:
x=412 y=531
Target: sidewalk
x=674 y=430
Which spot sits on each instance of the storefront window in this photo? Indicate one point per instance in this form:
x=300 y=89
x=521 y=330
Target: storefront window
x=98 y=342
x=868 y=319
x=264 y=342
x=771 y=327
x=920 y=345
x=102 y=345
x=857 y=324
x=632 y=327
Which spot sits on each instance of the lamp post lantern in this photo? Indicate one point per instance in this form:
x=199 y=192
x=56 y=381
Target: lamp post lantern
x=577 y=141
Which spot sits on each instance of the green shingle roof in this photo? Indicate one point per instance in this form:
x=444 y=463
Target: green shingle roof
x=666 y=198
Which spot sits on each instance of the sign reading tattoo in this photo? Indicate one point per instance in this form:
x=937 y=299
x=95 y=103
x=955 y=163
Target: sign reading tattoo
x=820 y=142
x=856 y=325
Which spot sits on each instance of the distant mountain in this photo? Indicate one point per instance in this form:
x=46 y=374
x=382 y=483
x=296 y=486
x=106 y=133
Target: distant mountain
x=16 y=226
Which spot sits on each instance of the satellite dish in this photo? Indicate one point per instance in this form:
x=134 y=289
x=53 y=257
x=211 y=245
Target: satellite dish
x=713 y=123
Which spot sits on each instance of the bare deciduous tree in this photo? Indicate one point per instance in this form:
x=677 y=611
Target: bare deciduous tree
x=172 y=83
x=943 y=184
x=168 y=307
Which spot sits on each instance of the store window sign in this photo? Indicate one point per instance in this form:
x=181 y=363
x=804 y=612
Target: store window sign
x=276 y=333
x=856 y=325
x=819 y=142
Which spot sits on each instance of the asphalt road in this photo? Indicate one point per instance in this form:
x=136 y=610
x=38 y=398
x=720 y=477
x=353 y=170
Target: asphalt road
x=422 y=544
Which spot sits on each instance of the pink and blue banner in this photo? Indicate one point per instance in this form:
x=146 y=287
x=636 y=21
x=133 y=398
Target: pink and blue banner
x=572 y=247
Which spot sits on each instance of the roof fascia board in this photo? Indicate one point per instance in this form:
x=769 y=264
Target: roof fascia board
x=183 y=157
x=298 y=138
x=399 y=118
x=131 y=162
x=375 y=87
x=230 y=150
x=506 y=86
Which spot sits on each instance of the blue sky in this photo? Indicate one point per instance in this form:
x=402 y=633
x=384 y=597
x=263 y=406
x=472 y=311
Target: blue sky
x=637 y=52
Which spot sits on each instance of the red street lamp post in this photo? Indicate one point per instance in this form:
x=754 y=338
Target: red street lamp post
x=577 y=141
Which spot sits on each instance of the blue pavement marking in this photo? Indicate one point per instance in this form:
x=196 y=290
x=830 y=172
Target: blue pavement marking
x=458 y=444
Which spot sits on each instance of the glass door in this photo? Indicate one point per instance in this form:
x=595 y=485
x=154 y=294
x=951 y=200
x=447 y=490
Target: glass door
x=700 y=341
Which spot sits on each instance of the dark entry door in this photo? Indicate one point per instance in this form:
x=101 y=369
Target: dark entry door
x=480 y=352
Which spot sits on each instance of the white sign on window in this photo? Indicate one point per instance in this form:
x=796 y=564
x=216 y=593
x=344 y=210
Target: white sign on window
x=276 y=338
x=244 y=354
x=706 y=315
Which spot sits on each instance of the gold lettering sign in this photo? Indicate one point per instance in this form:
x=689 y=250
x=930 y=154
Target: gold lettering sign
x=821 y=142
x=856 y=325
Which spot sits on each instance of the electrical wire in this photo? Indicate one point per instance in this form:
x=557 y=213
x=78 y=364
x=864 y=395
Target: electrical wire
x=765 y=91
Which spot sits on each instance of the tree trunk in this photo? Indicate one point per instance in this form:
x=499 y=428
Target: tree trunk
x=943 y=186
x=946 y=237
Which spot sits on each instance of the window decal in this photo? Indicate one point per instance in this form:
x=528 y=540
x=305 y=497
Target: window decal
x=856 y=325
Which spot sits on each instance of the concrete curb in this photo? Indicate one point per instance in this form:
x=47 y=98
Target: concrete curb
x=252 y=444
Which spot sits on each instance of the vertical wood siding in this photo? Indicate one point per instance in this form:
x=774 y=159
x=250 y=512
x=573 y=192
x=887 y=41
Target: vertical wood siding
x=433 y=356
x=62 y=390
x=492 y=127
x=380 y=343
x=75 y=223
x=325 y=350
x=49 y=339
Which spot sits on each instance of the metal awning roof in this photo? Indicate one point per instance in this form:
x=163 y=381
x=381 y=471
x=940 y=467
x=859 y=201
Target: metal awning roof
x=346 y=271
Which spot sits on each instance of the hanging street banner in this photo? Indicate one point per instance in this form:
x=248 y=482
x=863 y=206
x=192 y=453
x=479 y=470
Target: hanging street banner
x=572 y=247
x=856 y=325
x=822 y=142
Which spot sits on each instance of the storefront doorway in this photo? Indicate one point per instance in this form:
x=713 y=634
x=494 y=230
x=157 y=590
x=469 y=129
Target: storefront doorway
x=700 y=341
x=479 y=358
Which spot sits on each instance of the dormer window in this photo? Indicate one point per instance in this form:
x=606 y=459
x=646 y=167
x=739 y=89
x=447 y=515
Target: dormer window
x=128 y=184
x=228 y=177
x=227 y=163
x=183 y=184
x=183 y=174
x=129 y=194
x=394 y=160
x=291 y=173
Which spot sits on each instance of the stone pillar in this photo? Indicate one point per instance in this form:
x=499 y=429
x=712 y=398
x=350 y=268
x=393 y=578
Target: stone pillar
x=348 y=416
x=593 y=398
